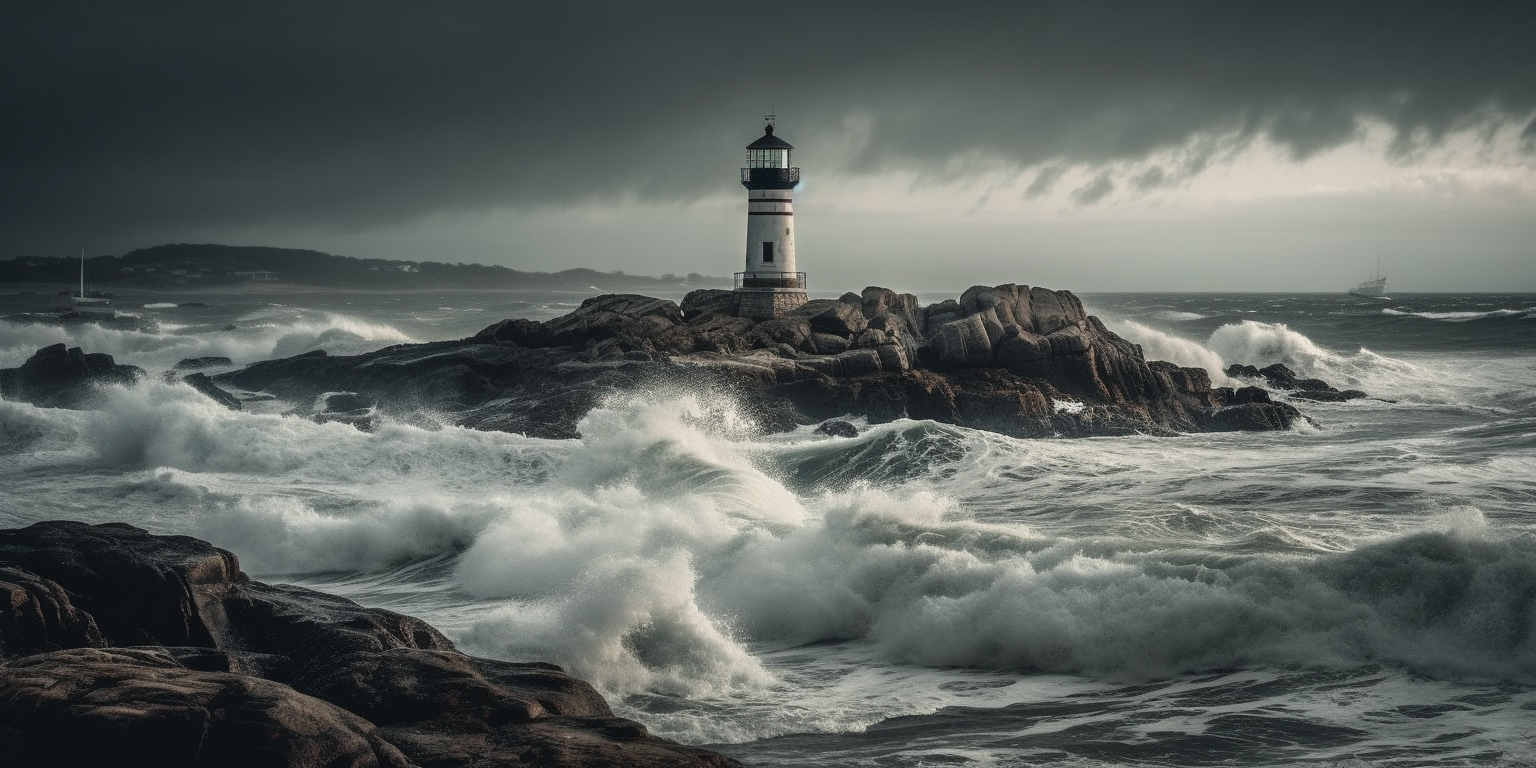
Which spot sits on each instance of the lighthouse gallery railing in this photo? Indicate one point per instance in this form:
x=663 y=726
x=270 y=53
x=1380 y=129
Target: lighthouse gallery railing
x=770 y=280
x=770 y=175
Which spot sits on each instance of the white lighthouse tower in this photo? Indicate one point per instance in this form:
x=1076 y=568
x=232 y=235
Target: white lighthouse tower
x=770 y=286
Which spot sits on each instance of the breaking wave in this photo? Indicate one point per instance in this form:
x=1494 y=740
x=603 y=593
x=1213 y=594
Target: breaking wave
x=1160 y=345
x=1528 y=313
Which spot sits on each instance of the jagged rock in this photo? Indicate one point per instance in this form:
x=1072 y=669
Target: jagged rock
x=994 y=359
x=519 y=331
x=193 y=363
x=705 y=301
x=55 y=377
x=1281 y=377
x=439 y=375
x=349 y=408
x=1330 y=395
x=1254 y=416
x=36 y=616
x=158 y=650
x=137 y=706
x=837 y=428
x=1246 y=395
x=201 y=382
x=339 y=402
x=844 y=319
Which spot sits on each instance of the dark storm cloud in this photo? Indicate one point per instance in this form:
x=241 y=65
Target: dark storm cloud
x=151 y=116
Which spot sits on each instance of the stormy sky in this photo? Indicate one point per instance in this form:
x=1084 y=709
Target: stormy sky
x=1094 y=146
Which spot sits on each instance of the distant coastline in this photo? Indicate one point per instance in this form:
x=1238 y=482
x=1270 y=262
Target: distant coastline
x=213 y=267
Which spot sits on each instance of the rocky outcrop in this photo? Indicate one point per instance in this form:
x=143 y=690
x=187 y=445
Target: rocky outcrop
x=200 y=382
x=1022 y=361
x=1013 y=359
x=158 y=650
x=1283 y=378
x=194 y=363
x=56 y=377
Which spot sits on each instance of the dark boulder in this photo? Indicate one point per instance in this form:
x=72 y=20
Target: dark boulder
x=200 y=382
x=705 y=301
x=158 y=650
x=837 y=428
x=194 y=363
x=1283 y=378
x=140 y=706
x=55 y=377
x=349 y=408
x=37 y=615
x=1254 y=416
x=1236 y=370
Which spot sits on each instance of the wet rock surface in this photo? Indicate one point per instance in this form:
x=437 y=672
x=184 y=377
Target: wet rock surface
x=56 y=377
x=1021 y=361
x=1297 y=388
x=1026 y=362
x=194 y=363
x=159 y=650
x=200 y=382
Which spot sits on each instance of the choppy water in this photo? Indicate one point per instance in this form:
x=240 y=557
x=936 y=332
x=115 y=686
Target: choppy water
x=1359 y=591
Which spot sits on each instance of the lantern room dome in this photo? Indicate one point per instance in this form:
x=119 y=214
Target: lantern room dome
x=770 y=141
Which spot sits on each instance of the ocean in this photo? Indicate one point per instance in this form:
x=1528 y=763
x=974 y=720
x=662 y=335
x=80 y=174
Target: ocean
x=1357 y=591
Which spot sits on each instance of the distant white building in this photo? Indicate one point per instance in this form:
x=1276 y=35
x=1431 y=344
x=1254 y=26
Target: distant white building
x=258 y=276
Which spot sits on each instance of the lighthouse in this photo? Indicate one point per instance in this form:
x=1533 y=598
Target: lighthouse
x=770 y=286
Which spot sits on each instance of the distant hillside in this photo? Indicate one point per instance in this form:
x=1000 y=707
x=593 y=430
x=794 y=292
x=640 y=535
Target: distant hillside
x=191 y=266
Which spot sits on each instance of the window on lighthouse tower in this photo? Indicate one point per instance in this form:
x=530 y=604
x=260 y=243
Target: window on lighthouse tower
x=767 y=158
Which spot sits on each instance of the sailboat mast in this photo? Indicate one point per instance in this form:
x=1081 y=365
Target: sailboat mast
x=82 y=274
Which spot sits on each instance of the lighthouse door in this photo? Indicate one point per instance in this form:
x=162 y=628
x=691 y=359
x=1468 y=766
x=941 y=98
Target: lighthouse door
x=768 y=253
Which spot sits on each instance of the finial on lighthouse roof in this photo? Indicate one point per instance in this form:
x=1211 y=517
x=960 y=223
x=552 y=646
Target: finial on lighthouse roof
x=768 y=140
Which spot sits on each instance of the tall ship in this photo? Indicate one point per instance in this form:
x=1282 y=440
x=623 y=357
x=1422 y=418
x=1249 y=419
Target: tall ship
x=1372 y=288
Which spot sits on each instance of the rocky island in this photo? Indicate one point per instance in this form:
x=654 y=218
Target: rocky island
x=1021 y=361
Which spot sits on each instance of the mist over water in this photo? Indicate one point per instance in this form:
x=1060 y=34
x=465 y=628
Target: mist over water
x=1358 y=591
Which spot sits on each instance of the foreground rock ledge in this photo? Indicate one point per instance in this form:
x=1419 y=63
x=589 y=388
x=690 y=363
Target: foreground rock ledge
x=118 y=647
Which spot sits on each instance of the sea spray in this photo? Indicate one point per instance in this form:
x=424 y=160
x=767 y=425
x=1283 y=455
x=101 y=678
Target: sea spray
x=1160 y=345
x=1355 y=593
x=602 y=561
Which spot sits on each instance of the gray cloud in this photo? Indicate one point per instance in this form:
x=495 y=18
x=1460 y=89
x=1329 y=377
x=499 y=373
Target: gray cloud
x=1150 y=179
x=1094 y=191
x=138 y=118
x=1044 y=181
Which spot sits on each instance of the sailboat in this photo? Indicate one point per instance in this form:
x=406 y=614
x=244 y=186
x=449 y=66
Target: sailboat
x=93 y=302
x=1375 y=287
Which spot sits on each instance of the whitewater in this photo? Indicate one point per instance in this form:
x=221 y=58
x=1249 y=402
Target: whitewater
x=1357 y=591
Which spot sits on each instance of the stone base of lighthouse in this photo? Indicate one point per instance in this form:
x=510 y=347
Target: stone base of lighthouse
x=766 y=303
